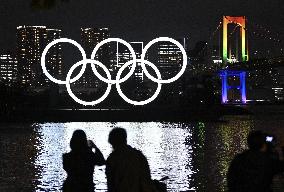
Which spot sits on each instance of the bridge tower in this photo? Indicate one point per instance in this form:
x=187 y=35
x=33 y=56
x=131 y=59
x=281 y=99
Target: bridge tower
x=225 y=74
x=240 y=22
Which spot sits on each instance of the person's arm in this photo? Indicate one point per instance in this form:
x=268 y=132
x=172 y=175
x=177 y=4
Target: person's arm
x=146 y=181
x=145 y=167
x=99 y=157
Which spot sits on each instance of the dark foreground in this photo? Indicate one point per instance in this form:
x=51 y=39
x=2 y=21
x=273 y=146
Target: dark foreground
x=204 y=113
x=195 y=155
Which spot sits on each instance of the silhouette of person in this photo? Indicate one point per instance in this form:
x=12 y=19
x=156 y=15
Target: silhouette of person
x=127 y=169
x=253 y=170
x=79 y=163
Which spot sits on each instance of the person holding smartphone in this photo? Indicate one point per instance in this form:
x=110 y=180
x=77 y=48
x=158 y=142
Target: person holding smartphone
x=79 y=163
x=254 y=169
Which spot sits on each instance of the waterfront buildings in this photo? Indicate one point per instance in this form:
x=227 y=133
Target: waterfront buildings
x=124 y=55
x=170 y=58
x=90 y=37
x=8 y=68
x=31 y=40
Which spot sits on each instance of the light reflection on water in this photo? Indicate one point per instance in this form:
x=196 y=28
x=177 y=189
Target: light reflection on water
x=165 y=147
x=195 y=156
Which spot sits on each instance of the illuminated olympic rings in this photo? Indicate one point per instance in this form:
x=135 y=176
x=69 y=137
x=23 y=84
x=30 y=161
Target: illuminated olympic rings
x=118 y=78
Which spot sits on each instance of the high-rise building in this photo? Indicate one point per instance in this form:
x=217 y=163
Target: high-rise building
x=124 y=55
x=138 y=86
x=8 y=68
x=31 y=40
x=54 y=56
x=170 y=61
x=90 y=37
x=170 y=58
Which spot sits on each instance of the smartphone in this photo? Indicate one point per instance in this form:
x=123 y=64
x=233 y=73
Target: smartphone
x=269 y=138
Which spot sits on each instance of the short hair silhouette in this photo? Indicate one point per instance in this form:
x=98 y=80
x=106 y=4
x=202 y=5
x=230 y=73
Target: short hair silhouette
x=117 y=136
x=256 y=139
x=79 y=140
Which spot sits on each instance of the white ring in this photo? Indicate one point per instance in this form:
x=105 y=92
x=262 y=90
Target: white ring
x=62 y=40
x=68 y=86
x=133 y=59
x=183 y=64
x=138 y=102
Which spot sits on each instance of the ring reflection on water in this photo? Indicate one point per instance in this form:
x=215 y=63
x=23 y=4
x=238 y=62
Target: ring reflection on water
x=195 y=156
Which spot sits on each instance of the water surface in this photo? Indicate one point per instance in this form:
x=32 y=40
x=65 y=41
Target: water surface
x=195 y=156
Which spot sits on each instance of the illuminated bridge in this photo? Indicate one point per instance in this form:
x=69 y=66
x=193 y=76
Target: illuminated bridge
x=233 y=54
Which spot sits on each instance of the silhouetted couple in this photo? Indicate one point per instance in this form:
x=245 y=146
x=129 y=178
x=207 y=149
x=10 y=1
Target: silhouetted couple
x=253 y=170
x=127 y=169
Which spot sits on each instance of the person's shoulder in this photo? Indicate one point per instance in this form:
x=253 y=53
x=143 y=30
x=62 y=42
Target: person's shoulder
x=66 y=155
x=139 y=153
x=244 y=153
x=241 y=156
x=132 y=150
x=111 y=156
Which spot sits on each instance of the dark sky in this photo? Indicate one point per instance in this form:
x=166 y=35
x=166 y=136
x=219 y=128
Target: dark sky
x=136 y=20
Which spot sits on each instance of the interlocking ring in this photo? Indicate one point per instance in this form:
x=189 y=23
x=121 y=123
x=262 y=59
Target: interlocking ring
x=68 y=86
x=62 y=40
x=93 y=55
x=138 y=102
x=184 y=57
x=117 y=80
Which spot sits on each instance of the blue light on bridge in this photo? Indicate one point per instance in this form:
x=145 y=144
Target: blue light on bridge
x=224 y=74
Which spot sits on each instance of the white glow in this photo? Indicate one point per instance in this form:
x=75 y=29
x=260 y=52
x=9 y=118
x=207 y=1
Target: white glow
x=269 y=138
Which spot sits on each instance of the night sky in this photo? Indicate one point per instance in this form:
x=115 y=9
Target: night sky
x=139 y=20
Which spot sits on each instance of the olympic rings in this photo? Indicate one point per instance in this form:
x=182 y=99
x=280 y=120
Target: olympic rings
x=117 y=80
x=62 y=40
x=68 y=86
x=138 y=102
x=131 y=51
x=184 y=57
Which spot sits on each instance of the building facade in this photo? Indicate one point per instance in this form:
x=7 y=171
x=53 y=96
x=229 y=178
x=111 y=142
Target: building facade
x=169 y=63
x=170 y=58
x=8 y=68
x=90 y=37
x=31 y=41
x=124 y=55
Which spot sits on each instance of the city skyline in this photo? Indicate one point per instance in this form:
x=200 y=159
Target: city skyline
x=31 y=41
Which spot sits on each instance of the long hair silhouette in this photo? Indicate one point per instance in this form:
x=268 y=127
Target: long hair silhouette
x=78 y=141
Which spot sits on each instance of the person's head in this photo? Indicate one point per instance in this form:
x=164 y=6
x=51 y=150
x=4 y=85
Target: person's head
x=78 y=141
x=257 y=141
x=117 y=137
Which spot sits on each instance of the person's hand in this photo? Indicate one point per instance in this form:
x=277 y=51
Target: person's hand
x=91 y=144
